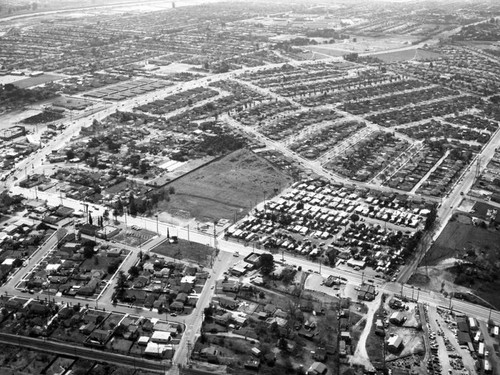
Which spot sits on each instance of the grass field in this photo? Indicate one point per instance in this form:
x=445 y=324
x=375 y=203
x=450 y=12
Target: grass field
x=417 y=54
x=365 y=44
x=457 y=240
x=35 y=81
x=458 y=237
x=229 y=186
x=185 y=250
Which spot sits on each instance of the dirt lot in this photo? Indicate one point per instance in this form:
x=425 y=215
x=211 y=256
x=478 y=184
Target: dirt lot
x=413 y=343
x=229 y=186
x=132 y=237
x=191 y=251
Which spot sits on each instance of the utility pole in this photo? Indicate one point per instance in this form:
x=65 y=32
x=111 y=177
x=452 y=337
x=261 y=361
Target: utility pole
x=215 y=235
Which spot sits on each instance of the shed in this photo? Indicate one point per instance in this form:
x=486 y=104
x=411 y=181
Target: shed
x=256 y=351
x=394 y=343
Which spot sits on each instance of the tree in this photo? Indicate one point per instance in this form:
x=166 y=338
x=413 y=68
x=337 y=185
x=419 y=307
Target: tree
x=209 y=311
x=288 y=275
x=354 y=218
x=105 y=216
x=88 y=252
x=133 y=271
x=17 y=263
x=113 y=267
x=332 y=257
x=120 y=285
x=431 y=218
x=266 y=263
x=132 y=205
x=143 y=167
x=70 y=154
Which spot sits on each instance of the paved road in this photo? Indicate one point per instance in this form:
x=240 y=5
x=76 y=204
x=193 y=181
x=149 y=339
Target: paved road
x=195 y=319
x=193 y=322
x=452 y=201
x=231 y=247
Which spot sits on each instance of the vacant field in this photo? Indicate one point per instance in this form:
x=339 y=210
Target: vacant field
x=132 y=237
x=335 y=52
x=191 y=251
x=410 y=54
x=35 y=81
x=231 y=185
x=457 y=238
x=456 y=241
x=363 y=44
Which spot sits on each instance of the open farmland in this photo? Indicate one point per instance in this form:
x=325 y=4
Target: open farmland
x=231 y=184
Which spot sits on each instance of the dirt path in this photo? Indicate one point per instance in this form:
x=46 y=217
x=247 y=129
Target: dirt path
x=360 y=356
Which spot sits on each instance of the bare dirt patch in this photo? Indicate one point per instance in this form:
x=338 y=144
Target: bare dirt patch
x=192 y=251
x=225 y=188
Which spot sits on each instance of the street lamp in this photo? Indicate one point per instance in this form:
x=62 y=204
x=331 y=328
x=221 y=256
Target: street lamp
x=418 y=293
x=157 y=230
x=412 y=291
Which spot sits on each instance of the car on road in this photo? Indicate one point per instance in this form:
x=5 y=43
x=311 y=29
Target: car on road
x=173 y=314
x=236 y=254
